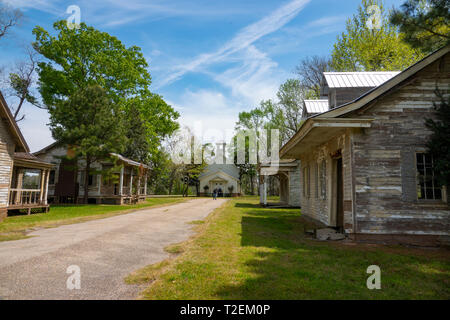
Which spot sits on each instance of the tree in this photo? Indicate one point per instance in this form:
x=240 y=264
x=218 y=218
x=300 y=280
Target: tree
x=438 y=144
x=310 y=71
x=8 y=19
x=372 y=45
x=21 y=81
x=90 y=123
x=424 y=23
x=82 y=57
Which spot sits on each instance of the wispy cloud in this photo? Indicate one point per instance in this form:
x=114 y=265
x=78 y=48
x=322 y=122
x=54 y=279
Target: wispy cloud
x=242 y=40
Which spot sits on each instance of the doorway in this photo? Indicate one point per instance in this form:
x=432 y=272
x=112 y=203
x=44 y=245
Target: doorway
x=339 y=195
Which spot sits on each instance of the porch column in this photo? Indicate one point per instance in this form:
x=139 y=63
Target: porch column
x=145 y=185
x=19 y=185
x=265 y=191
x=131 y=181
x=41 y=193
x=47 y=176
x=121 y=181
x=138 y=189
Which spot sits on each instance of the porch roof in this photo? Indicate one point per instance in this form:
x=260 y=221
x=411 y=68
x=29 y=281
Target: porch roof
x=316 y=131
x=274 y=168
x=28 y=160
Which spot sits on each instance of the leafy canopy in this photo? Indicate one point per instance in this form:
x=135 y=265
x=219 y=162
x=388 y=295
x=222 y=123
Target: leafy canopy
x=361 y=48
x=82 y=57
x=424 y=23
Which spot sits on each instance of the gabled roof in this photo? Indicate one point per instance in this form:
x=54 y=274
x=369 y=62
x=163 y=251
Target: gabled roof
x=331 y=118
x=385 y=87
x=7 y=116
x=229 y=169
x=316 y=106
x=357 y=79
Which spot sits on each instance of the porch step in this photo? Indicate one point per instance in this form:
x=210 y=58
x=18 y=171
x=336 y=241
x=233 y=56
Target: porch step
x=328 y=234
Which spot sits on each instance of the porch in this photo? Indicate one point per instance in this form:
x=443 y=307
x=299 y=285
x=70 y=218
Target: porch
x=29 y=184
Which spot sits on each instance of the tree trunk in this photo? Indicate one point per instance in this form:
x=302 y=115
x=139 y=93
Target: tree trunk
x=251 y=185
x=86 y=180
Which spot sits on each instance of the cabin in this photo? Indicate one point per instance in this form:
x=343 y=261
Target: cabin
x=288 y=174
x=126 y=184
x=23 y=177
x=365 y=169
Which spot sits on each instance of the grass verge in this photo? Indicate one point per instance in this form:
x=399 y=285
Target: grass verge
x=243 y=251
x=16 y=227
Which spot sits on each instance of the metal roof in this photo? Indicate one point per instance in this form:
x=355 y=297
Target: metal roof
x=316 y=106
x=358 y=79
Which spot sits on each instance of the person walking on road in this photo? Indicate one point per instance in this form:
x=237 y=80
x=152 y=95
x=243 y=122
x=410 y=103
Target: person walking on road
x=215 y=194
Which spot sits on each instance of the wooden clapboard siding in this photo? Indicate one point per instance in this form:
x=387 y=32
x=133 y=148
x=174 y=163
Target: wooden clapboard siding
x=324 y=209
x=384 y=158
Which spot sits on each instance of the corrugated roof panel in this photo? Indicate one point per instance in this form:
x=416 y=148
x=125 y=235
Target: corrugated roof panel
x=358 y=79
x=316 y=106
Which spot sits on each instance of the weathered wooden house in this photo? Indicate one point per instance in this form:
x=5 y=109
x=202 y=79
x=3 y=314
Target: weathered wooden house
x=288 y=174
x=66 y=183
x=365 y=167
x=23 y=177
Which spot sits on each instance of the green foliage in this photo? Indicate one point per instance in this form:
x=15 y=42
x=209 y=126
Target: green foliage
x=361 y=48
x=90 y=123
x=424 y=23
x=438 y=145
x=86 y=56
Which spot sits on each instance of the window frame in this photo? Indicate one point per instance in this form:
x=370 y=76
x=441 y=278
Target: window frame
x=417 y=184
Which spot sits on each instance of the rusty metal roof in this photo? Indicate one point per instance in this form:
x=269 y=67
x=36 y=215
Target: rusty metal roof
x=358 y=79
x=316 y=106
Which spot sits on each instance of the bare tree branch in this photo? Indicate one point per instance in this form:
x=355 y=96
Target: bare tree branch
x=8 y=19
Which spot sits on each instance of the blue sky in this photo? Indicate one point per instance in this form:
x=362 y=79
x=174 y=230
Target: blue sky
x=209 y=59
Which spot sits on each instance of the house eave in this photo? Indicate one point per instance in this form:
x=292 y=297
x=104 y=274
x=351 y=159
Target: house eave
x=316 y=131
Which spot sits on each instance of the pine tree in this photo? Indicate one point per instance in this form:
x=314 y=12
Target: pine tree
x=424 y=23
x=439 y=143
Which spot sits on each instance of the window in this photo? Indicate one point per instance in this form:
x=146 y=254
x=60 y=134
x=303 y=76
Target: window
x=427 y=188
x=323 y=179
x=51 y=178
x=31 y=179
x=92 y=179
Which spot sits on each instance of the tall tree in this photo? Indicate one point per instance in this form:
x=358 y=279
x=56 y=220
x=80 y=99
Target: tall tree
x=90 y=123
x=438 y=145
x=310 y=71
x=424 y=23
x=8 y=19
x=291 y=95
x=21 y=81
x=372 y=43
x=82 y=57
x=85 y=56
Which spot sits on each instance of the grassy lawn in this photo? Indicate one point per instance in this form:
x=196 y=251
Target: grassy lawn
x=243 y=251
x=16 y=227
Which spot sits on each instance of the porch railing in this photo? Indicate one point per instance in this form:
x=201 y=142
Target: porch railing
x=22 y=197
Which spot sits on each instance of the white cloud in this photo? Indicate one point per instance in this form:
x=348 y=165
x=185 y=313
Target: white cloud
x=242 y=40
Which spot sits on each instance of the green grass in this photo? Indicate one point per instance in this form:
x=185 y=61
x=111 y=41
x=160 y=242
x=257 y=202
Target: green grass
x=243 y=251
x=16 y=227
